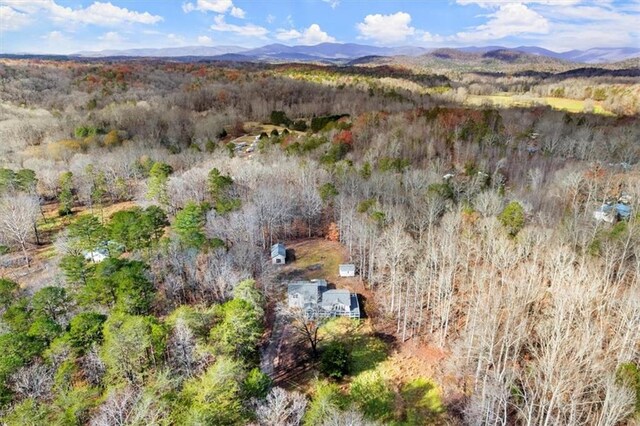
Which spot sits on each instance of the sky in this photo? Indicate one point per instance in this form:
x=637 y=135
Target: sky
x=68 y=26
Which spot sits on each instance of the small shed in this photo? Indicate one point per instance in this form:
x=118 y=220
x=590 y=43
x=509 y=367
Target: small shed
x=347 y=270
x=278 y=254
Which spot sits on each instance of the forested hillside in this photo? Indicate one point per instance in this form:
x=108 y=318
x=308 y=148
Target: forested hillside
x=497 y=246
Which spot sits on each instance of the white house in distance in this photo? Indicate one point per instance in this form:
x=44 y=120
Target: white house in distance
x=97 y=255
x=347 y=270
x=278 y=254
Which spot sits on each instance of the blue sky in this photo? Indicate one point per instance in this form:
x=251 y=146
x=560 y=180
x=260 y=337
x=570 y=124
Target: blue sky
x=66 y=26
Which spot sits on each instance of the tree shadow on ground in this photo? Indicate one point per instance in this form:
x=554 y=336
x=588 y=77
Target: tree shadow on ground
x=366 y=348
x=290 y=255
x=362 y=302
x=367 y=351
x=422 y=401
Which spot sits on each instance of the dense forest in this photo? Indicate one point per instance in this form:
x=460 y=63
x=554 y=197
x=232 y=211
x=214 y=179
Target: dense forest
x=495 y=246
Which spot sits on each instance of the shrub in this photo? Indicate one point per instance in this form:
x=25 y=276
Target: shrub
x=328 y=191
x=279 y=117
x=512 y=218
x=85 y=329
x=112 y=139
x=372 y=394
x=256 y=385
x=365 y=205
x=299 y=125
x=319 y=123
x=85 y=131
x=628 y=374
x=398 y=165
x=327 y=398
x=336 y=153
x=335 y=360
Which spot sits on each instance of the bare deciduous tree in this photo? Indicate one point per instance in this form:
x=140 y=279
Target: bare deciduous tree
x=18 y=216
x=34 y=381
x=181 y=350
x=92 y=366
x=281 y=408
x=117 y=409
x=306 y=324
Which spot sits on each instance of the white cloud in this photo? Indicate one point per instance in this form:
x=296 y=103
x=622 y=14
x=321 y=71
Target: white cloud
x=386 y=28
x=558 y=24
x=315 y=35
x=217 y=6
x=511 y=19
x=55 y=37
x=248 y=30
x=286 y=35
x=311 y=35
x=176 y=39
x=205 y=40
x=498 y=3
x=431 y=38
x=270 y=19
x=97 y=13
x=12 y=20
x=332 y=3
x=595 y=25
x=236 y=12
x=111 y=37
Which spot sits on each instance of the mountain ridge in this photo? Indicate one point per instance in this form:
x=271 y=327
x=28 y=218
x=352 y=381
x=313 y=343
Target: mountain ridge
x=351 y=51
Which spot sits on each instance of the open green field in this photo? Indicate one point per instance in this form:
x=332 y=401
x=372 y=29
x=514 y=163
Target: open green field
x=509 y=100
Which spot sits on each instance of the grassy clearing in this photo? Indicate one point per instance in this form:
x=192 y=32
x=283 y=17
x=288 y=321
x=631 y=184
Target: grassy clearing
x=51 y=223
x=366 y=350
x=378 y=383
x=511 y=101
x=316 y=258
x=574 y=105
x=422 y=401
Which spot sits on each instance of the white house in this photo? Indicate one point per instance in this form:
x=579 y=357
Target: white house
x=347 y=270
x=278 y=254
x=96 y=256
x=316 y=300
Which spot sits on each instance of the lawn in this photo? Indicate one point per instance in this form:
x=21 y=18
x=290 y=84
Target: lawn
x=315 y=258
x=384 y=381
x=509 y=100
x=574 y=105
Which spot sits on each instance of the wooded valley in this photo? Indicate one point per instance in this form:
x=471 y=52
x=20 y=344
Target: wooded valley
x=496 y=243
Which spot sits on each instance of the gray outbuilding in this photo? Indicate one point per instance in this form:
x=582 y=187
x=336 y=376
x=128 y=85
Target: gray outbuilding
x=278 y=254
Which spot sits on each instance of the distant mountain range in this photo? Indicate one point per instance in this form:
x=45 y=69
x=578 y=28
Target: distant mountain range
x=167 y=52
x=342 y=52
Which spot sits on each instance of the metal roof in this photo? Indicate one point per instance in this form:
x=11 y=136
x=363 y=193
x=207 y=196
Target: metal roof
x=278 y=250
x=347 y=267
x=314 y=294
x=331 y=298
